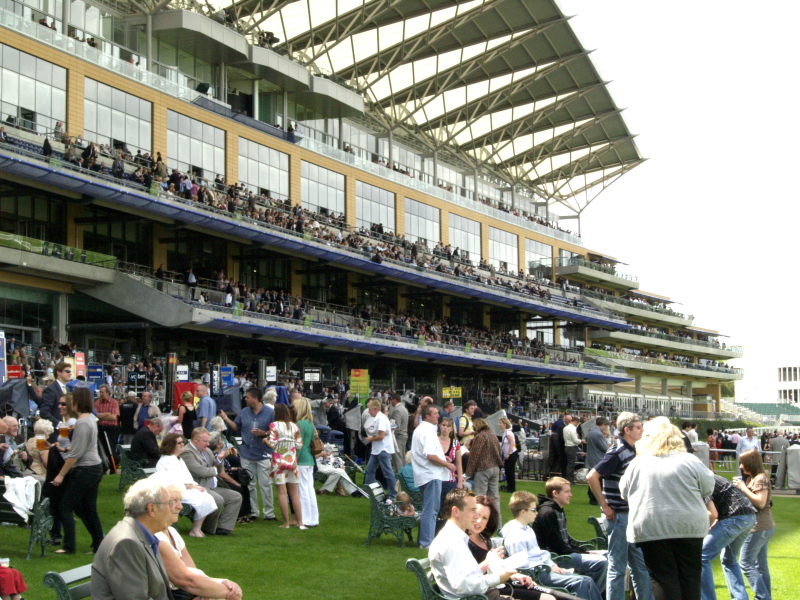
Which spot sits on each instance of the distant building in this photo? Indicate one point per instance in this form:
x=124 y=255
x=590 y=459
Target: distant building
x=788 y=384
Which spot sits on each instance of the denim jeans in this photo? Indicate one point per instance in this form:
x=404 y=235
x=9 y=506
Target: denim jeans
x=578 y=585
x=384 y=460
x=727 y=536
x=754 y=563
x=431 y=496
x=591 y=565
x=622 y=555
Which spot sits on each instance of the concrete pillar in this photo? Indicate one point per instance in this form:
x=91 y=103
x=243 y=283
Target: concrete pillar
x=255 y=98
x=435 y=167
x=523 y=326
x=341 y=135
x=390 y=153
x=664 y=386
x=285 y=111
x=439 y=382
x=222 y=83
x=65 y=6
x=62 y=316
x=149 y=47
x=296 y=281
x=475 y=185
x=637 y=382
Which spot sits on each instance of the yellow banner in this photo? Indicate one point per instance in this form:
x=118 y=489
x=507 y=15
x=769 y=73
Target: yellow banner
x=359 y=384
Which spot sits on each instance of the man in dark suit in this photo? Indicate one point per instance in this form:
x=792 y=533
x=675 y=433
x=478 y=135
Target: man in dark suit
x=48 y=409
x=205 y=467
x=127 y=565
x=144 y=444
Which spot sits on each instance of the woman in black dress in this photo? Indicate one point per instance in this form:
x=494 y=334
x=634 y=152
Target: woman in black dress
x=486 y=522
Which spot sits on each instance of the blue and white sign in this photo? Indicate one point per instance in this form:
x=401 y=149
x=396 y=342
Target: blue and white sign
x=94 y=373
x=226 y=375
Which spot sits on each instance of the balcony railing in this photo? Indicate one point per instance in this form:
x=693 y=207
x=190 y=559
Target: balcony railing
x=86 y=257
x=639 y=305
x=683 y=340
x=433 y=190
x=582 y=262
x=662 y=361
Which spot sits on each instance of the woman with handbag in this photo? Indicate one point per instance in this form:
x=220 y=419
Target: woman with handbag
x=285 y=440
x=305 y=460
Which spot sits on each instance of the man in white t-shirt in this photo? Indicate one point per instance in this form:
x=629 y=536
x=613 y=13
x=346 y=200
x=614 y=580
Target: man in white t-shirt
x=382 y=448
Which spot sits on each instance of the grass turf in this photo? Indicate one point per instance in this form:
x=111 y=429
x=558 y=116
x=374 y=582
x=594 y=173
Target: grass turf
x=330 y=562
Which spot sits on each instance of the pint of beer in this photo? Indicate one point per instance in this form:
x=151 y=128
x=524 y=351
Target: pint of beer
x=41 y=443
x=63 y=431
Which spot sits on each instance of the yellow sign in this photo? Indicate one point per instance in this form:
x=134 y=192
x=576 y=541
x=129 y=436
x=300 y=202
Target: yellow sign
x=451 y=392
x=359 y=384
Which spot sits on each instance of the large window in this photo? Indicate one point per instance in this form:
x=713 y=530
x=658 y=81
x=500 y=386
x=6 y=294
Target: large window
x=465 y=234
x=114 y=117
x=322 y=190
x=33 y=91
x=422 y=223
x=32 y=213
x=538 y=258
x=194 y=146
x=264 y=169
x=374 y=206
x=503 y=252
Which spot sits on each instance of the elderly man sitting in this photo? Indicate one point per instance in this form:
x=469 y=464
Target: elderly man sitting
x=145 y=445
x=333 y=466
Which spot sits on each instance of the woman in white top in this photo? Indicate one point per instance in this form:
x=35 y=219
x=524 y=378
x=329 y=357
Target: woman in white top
x=510 y=455
x=185 y=579
x=195 y=496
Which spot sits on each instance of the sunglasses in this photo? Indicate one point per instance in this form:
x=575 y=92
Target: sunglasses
x=62 y=403
x=66 y=371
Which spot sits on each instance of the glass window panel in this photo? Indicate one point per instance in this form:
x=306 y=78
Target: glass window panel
x=219 y=160
x=59 y=78
x=103 y=94
x=132 y=132
x=11 y=58
x=103 y=120
x=117 y=125
x=145 y=136
x=196 y=154
x=10 y=87
x=184 y=148
x=184 y=124
x=196 y=130
x=43 y=98
x=27 y=92
x=172 y=121
x=27 y=63
x=219 y=138
x=44 y=71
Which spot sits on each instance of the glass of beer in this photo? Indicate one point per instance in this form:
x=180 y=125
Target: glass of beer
x=41 y=443
x=63 y=431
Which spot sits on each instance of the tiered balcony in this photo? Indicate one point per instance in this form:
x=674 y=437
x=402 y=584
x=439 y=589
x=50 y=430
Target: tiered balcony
x=641 y=310
x=632 y=362
x=581 y=269
x=674 y=343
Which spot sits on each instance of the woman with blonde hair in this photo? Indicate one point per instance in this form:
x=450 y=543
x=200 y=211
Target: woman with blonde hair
x=285 y=440
x=305 y=461
x=753 y=558
x=665 y=488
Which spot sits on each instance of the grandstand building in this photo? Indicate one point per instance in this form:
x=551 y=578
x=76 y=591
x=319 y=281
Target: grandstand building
x=399 y=187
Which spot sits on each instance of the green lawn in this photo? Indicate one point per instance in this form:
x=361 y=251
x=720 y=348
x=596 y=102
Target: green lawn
x=330 y=562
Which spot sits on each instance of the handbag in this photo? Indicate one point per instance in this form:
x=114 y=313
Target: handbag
x=316 y=444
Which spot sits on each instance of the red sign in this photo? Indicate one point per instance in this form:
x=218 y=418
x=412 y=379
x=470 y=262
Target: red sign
x=80 y=364
x=178 y=388
x=14 y=371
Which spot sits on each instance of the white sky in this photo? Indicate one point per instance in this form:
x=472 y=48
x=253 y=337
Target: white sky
x=710 y=220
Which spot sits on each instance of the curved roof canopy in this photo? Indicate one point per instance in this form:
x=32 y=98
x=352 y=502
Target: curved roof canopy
x=502 y=86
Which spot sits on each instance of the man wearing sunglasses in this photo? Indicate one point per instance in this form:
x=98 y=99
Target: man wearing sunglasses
x=48 y=409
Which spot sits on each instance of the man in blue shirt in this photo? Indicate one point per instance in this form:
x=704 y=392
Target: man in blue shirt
x=253 y=422
x=206 y=407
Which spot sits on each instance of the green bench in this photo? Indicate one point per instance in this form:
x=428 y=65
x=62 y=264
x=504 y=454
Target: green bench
x=427 y=586
x=599 y=530
x=382 y=520
x=40 y=522
x=61 y=582
x=131 y=470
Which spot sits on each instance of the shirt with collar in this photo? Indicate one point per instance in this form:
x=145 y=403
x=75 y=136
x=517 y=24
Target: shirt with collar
x=425 y=442
x=455 y=569
x=152 y=540
x=570 y=435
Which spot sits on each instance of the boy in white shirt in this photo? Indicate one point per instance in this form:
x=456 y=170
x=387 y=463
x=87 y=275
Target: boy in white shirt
x=519 y=537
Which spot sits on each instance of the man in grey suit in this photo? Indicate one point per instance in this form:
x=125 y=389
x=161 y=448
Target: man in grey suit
x=596 y=448
x=127 y=565
x=399 y=414
x=205 y=467
x=778 y=444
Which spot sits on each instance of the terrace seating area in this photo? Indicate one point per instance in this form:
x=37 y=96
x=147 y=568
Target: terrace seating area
x=771 y=410
x=268 y=212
